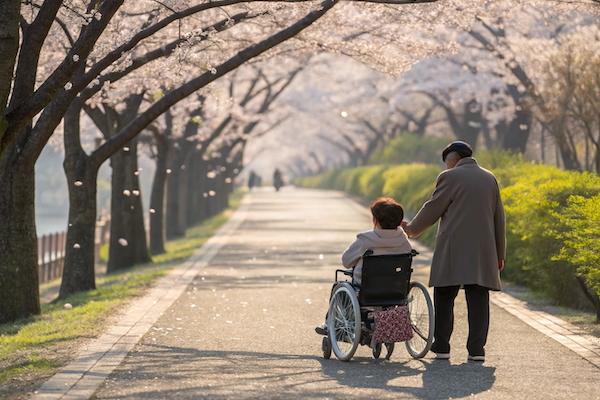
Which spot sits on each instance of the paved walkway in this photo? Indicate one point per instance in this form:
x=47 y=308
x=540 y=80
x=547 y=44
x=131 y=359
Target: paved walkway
x=243 y=328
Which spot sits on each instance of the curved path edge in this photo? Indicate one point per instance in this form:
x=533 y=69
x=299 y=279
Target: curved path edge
x=81 y=377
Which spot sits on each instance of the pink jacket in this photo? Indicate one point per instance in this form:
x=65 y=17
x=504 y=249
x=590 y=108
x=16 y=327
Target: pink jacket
x=381 y=241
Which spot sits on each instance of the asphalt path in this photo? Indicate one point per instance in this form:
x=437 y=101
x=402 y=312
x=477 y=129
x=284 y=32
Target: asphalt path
x=245 y=327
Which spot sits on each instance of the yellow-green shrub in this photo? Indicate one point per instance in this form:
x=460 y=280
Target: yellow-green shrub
x=582 y=238
x=371 y=181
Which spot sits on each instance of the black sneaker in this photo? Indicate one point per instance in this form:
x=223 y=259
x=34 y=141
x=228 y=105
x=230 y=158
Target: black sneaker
x=441 y=356
x=321 y=330
x=476 y=358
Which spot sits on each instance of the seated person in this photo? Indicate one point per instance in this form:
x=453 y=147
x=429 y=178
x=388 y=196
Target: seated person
x=386 y=237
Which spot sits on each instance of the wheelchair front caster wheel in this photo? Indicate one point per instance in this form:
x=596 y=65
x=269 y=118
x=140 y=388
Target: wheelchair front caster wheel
x=390 y=349
x=377 y=351
x=326 y=347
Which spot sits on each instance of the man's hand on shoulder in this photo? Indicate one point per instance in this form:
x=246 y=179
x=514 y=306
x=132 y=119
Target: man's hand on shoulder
x=404 y=225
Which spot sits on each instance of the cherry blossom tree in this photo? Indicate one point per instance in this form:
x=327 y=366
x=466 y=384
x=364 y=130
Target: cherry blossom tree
x=47 y=95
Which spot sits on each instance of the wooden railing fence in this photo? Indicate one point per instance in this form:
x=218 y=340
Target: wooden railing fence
x=51 y=250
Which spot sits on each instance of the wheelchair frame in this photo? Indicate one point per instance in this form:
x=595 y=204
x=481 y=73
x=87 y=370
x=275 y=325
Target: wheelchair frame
x=348 y=319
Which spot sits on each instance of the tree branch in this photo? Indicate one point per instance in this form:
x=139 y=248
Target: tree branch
x=133 y=128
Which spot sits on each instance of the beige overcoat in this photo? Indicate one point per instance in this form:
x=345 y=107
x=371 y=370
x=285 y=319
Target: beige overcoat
x=471 y=234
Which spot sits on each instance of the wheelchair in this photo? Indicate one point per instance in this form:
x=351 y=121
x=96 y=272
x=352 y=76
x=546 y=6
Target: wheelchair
x=385 y=283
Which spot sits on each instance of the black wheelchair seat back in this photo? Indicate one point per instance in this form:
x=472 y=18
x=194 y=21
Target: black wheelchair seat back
x=385 y=279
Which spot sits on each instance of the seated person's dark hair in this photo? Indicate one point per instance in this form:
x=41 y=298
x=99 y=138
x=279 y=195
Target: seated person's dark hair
x=387 y=212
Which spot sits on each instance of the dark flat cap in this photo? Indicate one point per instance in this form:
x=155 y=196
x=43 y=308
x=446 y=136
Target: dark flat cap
x=462 y=148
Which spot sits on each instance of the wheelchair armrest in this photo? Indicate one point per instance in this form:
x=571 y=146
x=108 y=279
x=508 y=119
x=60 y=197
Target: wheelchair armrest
x=347 y=272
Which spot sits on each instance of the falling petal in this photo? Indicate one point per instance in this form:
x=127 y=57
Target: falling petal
x=152 y=211
x=321 y=256
x=123 y=242
x=76 y=246
x=68 y=306
x=126 y=193
x=78 y=183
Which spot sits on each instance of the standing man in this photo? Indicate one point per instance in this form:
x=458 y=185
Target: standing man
x=470 y=246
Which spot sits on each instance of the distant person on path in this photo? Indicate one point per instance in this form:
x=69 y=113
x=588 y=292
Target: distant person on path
x=386 y=237
x=277 y=179
x=470 y=246
x=252 y=180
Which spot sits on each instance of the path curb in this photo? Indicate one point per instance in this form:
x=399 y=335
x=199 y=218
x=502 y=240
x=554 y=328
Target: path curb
x=96 y=361
x=565 y=333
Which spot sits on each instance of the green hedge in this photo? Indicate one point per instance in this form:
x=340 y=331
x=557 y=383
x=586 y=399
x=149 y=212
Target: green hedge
x=553 y=216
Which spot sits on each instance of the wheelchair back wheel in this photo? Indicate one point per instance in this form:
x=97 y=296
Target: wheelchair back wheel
x=344 y=322
x=422 y=320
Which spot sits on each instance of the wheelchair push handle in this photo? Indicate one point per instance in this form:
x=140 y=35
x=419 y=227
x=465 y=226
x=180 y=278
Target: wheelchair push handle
x=413 y=253
x=347 y=272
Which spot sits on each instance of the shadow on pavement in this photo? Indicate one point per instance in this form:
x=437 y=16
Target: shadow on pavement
x=440 y=379
x=276 y=375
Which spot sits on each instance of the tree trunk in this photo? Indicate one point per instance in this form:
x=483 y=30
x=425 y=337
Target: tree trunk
x=79 y=271
x=128 y=245
x=567 y=153
x=597 y=156
x=513 y=136
x=182 y=221
x=199 y=202
x=82 y=177
x=472 y=124
x=157 y=198
x=19 y=291
x=173 y=229
x=591 y=296
x=569 y=160
x=9 y=45
x=193 y=188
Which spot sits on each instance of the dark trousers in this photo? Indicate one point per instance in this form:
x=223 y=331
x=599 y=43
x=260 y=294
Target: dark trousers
x=478 y=308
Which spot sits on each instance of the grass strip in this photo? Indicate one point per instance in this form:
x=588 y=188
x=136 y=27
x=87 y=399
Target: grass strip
x=33 y=349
